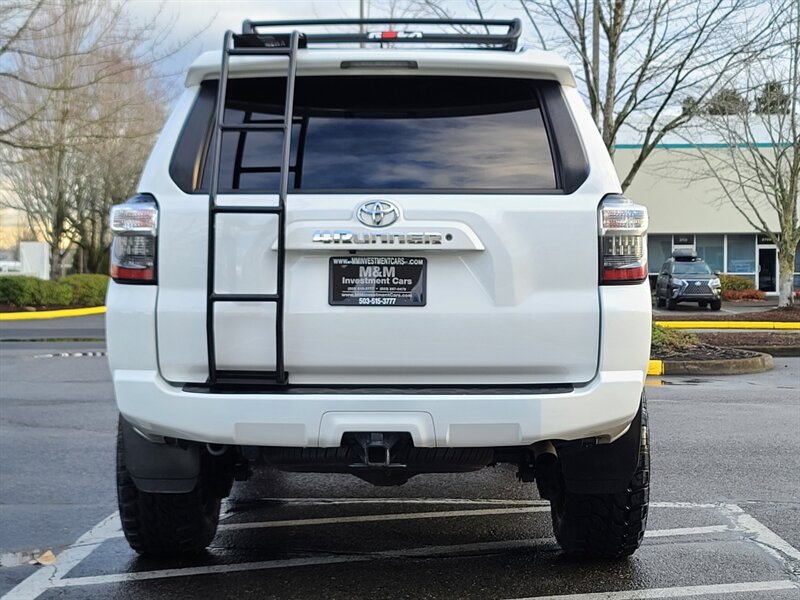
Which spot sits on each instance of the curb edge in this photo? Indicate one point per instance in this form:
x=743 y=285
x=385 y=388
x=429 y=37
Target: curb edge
x=52 y=314
x=729 y=366
x=729 y=324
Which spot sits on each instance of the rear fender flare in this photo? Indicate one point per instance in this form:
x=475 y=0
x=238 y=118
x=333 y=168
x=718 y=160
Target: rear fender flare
x=604 y=468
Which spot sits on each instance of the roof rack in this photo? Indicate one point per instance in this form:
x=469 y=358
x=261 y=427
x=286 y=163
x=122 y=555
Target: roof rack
x=252 y=38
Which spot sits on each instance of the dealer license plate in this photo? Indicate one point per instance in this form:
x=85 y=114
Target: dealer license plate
x=377 y=281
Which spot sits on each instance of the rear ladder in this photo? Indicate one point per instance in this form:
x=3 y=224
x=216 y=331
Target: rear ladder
x=243 y=46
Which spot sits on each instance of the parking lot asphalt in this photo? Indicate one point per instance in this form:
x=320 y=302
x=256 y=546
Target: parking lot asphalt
x=91 y=327
x=725 y=519
x=730 y=308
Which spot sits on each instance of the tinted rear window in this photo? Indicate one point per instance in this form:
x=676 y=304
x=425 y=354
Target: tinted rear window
x=387 y=133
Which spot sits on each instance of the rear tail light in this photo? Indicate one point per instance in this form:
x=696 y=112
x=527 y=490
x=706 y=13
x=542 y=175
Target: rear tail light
x=133 y=250
x=623 y=243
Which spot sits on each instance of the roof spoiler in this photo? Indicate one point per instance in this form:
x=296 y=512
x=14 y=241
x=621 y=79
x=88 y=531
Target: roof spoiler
x=251 y=37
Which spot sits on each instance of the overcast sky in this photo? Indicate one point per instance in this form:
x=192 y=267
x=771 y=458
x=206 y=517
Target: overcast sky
x=185 y=18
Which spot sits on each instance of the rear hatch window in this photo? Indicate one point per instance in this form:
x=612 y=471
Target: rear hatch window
x=378 y=133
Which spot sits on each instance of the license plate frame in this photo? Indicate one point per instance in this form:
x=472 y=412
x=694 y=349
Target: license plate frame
x=388 y=281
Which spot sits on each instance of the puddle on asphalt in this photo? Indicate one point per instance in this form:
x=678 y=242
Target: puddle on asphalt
x=656 y=381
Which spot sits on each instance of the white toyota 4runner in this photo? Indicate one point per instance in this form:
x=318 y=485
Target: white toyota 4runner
x=382 y=260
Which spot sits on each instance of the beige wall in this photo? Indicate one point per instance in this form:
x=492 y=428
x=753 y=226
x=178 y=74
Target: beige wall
x=680 y=196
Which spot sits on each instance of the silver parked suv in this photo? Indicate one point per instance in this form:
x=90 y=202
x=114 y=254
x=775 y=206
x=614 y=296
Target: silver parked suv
x=385 y=260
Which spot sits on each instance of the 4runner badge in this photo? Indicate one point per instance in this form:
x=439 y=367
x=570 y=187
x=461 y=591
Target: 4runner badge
x=346 y=236
x=377 y=213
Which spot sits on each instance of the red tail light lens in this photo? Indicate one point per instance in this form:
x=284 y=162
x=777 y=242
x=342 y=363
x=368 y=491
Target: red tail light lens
x=133 y=250
x=623 y=242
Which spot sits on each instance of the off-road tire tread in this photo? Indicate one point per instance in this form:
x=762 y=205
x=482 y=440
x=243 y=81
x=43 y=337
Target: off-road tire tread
x=607 y=526
x=165 y=524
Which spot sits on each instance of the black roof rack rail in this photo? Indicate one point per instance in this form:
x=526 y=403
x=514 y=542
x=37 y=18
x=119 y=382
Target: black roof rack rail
x=251 y=37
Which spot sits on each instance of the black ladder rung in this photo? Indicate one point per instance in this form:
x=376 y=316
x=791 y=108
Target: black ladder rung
x=246 y=378
x=276 y=121
x=259 y=51
x=244 y=298
x=247 y=210
x=251 y=127
x=292 y=169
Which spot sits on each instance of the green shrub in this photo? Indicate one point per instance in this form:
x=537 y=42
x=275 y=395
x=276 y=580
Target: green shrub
x=734 y=283
x=666 y=341
x=21 y=290
x=51 y=293
x=87 y=290
x=18 y=290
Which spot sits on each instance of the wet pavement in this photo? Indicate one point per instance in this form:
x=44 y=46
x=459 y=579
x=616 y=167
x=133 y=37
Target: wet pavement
x=730 y=308
x=724 y=523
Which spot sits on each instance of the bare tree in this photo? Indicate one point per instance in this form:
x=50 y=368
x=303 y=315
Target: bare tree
x=28 y=30
x=131 y=107
x=640 y=59
x=655 y=52
x=74 y=110
x=759 y=172
x=17 y=31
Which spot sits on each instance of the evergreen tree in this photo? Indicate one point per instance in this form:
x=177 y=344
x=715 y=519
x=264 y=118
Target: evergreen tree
x=773 y=100
x=727 y=101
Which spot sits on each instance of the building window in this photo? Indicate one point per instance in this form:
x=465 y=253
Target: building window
x=741 y=254
x=797 y=268
x=659 y=249
x=711 y=248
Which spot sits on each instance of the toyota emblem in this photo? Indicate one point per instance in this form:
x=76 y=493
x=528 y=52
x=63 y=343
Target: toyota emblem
x=378 y=213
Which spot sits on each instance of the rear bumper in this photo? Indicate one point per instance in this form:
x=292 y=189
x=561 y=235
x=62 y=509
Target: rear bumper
x=603 y=408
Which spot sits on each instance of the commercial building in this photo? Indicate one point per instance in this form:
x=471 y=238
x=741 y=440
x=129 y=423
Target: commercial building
x=688 y=210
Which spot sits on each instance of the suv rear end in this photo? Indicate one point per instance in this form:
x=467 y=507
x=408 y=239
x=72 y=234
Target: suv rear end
x=436 y=257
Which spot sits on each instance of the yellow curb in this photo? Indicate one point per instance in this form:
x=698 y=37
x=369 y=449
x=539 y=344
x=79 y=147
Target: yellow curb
x=655 y=367
x=729 y=324
x=52 y=314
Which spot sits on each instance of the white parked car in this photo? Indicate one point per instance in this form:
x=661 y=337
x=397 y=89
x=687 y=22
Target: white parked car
x=382 y=261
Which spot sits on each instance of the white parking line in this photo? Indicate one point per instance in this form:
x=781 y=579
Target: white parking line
x=683 y=505
x=740 y=522
x=770 y=542
x=334 y=501
x=49 y=576
x=384 y=517
x=679 y=531
x=326 y=559
x=678 y=592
